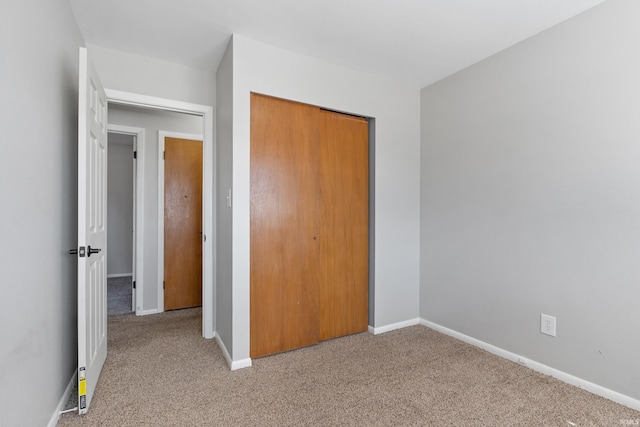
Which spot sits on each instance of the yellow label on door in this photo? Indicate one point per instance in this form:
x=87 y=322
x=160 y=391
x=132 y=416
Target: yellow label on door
x=82 y=386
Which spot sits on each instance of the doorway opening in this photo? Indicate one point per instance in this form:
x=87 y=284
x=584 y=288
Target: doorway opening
x=149 y=292
x=121 y=225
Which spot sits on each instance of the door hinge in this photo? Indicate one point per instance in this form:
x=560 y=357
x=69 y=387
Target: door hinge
x=134 y=284
x=163 y=154
x=135 y=154
x=163 y=284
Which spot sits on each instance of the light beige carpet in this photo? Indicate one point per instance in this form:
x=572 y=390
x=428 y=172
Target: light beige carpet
x=161 y=372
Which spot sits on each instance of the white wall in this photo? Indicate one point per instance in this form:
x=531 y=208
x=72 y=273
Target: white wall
x=273 y=71
x=152 y=121
x=39 y=41
x=120 y=205
x=531 y=200
x=152 y=77
x=148 y=76
x=224 y=169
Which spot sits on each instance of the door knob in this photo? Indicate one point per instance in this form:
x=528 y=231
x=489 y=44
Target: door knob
x=92 y=251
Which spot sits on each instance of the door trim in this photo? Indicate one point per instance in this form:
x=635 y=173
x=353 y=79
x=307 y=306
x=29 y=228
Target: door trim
x=138 y=220
x=161 y=136
x=208 y=188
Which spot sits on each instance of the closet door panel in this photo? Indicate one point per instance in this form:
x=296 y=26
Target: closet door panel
x=344 y=225
x=283 y=231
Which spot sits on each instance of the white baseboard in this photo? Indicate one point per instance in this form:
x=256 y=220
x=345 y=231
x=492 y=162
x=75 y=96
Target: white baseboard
x=113 y=276
x=234 y=365
x=63 y=401
x=539 y=367
x=393 y=326
x=240 y=364
x=148 y=312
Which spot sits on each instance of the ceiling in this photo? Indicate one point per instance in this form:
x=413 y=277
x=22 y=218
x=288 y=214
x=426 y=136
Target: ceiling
x=416 y=42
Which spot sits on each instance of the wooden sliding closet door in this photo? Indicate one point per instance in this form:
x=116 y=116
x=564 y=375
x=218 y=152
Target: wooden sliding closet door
x=283 y=231
x=344 y=225
x=309 y=225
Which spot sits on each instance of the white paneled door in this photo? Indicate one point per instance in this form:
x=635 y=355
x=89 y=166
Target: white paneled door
x=92 y=231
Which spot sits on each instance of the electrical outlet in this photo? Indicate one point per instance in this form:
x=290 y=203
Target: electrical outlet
x=548 y=325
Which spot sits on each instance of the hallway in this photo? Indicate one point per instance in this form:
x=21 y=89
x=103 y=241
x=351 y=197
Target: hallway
x=119 y=296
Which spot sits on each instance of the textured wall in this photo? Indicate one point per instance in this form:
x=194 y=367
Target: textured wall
x=148 y=76
x=120 y=205
x=530 y=199
x=272 y=71
x=224 y=171
x=39 y=41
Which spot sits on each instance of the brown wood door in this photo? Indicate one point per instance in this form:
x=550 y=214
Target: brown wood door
x=182 y=223
x=284 y=208
x=344 y=225
x=309 y=225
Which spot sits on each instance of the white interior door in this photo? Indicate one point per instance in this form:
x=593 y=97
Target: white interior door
x=92 y=231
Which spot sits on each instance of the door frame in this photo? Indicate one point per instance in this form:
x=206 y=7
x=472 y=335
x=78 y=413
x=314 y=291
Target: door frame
x=138 y=211
x=161 y=136
x=208 y=188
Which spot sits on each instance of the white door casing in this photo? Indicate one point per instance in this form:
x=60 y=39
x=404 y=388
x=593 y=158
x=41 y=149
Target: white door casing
x=92 y=230
x=133 y=231
x=208 y=188
x=134 y=249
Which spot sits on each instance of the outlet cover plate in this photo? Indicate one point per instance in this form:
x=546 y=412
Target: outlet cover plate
x=548 y=325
